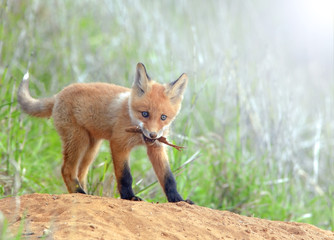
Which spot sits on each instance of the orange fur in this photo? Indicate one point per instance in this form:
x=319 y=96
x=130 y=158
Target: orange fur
x=84 y=114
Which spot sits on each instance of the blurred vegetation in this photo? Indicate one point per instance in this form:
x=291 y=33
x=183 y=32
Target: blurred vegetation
x=257 y=119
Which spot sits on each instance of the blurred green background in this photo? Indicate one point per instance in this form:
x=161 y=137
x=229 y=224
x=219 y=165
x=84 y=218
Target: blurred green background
x=257 y=119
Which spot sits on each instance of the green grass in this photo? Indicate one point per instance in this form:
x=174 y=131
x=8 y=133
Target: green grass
x=250 y=135
x=5 y=233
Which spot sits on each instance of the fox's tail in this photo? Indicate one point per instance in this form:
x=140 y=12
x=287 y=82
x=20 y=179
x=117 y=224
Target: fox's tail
x=34 y=107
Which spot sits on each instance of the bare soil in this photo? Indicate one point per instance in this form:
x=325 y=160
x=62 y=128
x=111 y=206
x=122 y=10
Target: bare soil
x=77 y=216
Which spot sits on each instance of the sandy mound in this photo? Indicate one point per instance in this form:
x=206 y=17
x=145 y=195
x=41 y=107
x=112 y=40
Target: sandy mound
x=76 y=216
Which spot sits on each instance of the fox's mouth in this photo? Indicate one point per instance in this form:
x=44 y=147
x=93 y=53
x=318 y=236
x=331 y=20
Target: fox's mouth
x=148 y=140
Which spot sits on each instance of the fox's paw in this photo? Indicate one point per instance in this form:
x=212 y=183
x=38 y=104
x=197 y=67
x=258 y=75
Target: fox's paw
x=189 y=201
x=135 y=198
x=80 y=190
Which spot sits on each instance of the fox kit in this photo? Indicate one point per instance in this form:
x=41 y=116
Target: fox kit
x=86 y=113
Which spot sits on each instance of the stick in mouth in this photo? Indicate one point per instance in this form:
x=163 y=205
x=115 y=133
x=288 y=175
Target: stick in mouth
x=136 y=129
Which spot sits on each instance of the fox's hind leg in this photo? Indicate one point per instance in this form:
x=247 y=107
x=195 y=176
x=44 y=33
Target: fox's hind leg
x=86 y=161
x=75 y=145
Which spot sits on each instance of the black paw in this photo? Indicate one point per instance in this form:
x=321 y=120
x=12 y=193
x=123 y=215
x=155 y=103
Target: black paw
x=79 y=190
x=135 y=198
x=189 y=201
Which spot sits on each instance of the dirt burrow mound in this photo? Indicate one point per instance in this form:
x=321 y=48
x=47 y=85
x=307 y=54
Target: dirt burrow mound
x=78 y=216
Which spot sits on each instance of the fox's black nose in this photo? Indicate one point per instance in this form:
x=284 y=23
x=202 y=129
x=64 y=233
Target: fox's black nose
x=153 y=135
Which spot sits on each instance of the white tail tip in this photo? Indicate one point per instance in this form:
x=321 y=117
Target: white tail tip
x=26 y=76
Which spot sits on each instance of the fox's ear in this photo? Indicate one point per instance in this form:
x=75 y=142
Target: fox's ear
x=141 y=83
x=175 y=89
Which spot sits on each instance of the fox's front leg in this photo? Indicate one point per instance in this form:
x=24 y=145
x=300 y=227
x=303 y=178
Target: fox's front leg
x=120 y=157
x=159 y=160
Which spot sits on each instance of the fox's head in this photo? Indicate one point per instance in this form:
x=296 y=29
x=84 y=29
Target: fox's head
x=154 y=106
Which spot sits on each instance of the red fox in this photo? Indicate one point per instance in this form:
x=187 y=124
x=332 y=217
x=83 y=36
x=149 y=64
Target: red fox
x=86 y=113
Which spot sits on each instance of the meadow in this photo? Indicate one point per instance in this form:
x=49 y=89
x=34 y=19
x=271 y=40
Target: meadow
x=256 y=121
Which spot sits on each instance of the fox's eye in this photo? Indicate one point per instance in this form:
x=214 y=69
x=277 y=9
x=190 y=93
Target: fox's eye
x=163 y=117
x=145 y=114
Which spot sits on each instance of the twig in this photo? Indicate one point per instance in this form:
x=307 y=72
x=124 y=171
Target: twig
x=136 y=129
